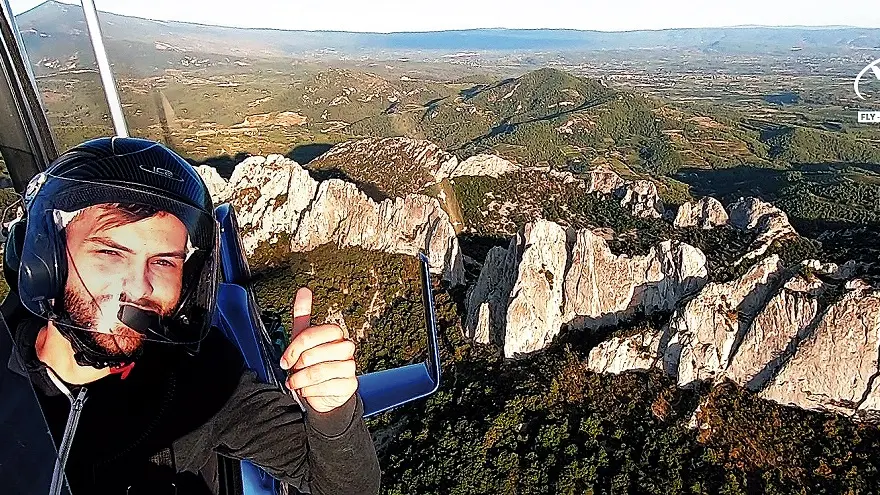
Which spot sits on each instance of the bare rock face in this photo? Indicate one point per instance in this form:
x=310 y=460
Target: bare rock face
x=281 y=209
x=602 y=289
x=775 y=333
x=551 y=276
x=619 y=354
x=395 y=166
x=217 y=186
x=534 y=315
x=833 y=270
x=836 y=369
x=770 y=222
x=478 y=165
x=641 y=198
x=487 y=299
x=705 y=214
x=605 y=181
x=705 y=332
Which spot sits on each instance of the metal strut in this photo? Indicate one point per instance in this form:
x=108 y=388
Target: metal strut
x=107 y=80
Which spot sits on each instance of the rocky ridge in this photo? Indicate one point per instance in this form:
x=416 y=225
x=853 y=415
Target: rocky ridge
x=552 y=276
x=282 y=209
x=807 y=335
x=798 y=336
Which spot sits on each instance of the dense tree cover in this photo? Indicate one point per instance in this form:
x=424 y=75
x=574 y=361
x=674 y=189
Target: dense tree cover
x=806 y=145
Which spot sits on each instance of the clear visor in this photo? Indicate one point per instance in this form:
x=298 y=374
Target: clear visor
x=122 y=272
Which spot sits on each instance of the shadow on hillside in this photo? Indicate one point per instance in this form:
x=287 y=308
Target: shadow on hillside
x=305 y=153
x=224 y=164
x=508 y=126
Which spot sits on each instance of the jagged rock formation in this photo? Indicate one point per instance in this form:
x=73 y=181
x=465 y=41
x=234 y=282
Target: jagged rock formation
x=536 y=301
x=217 y=186
x=783 y=323
x=483 y=164
x=836 y=369
x=603 y=289
x=641 y=198
x=281 y=209
x=791 y=336
x=770 y=222
x=619 y=354
x=705 y=214
x=487 y=299
x=604 y=180
x=705 y=332
x=551 y=276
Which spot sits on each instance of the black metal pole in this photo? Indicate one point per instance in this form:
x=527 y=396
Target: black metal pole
x=26 y=140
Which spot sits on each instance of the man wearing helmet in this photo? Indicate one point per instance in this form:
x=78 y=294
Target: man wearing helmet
x=113 y=283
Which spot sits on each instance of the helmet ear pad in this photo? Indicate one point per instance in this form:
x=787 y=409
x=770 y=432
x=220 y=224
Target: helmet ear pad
x=43 y=269
x=12 y=253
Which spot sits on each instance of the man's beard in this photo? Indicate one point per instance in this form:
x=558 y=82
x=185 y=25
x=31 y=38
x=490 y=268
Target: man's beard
x=85 y=312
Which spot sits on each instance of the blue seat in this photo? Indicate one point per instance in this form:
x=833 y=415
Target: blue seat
x=238 y=317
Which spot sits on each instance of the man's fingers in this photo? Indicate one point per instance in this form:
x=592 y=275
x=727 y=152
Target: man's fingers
x=338 y=387
x=339 y=350
x=329 y=371
x=302 y=311
x=308 y=338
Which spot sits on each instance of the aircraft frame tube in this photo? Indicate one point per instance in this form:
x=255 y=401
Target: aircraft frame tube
x=107 y=80
x=26 y=139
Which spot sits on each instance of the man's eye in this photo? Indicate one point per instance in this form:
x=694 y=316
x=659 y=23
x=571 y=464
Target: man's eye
x=165 y=263
x=108 y=252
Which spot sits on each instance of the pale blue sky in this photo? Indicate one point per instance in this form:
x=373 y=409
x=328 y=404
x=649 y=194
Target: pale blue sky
x=604 y=15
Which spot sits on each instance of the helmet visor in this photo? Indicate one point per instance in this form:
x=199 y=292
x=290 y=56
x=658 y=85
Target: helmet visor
x=141 y=268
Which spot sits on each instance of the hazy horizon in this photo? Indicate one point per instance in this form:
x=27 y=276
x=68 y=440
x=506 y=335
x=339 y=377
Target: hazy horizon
x=460 y=15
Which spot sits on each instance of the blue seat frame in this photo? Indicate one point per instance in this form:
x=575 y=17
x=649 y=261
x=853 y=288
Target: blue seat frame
x=238 y=317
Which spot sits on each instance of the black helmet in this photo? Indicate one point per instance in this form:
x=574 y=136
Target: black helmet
x=135 y=175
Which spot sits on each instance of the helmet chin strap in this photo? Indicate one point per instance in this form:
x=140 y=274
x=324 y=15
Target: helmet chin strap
x=86 y=350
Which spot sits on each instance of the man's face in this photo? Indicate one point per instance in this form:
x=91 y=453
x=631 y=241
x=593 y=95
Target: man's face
x=140 y=263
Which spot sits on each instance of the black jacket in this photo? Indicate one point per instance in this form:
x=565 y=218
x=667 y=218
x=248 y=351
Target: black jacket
x=171 y=416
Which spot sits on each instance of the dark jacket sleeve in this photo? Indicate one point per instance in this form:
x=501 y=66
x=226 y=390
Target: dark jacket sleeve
x=330 y=453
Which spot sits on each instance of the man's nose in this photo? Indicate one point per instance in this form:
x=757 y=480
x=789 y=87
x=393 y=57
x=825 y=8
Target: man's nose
x=137 y=284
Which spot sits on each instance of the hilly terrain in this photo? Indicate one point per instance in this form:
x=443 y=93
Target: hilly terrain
x=56 y=36
x=653 y=253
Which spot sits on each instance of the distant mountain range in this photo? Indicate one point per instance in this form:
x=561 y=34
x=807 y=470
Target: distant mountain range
x=55 y=33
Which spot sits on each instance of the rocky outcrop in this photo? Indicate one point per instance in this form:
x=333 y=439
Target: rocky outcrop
x=479 y=165
x=603 y=180
x=638 y=196
x=706 y=331
x=784 y=322
x=789 y=335
x=706 y=213
x=619 y=354
x=487 y=299
x=602 y=289
x=769 y=222
x=217 y=186
x=551 y=276
x=836 y=368
x=281 y=209
x=534 y=314
x=641 y=198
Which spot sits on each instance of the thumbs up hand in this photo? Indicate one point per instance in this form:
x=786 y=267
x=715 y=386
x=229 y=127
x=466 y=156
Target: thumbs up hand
x=321 y=358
